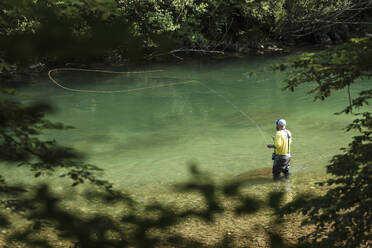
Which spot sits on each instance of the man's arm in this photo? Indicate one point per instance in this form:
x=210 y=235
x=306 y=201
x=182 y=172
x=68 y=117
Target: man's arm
x=272 y=145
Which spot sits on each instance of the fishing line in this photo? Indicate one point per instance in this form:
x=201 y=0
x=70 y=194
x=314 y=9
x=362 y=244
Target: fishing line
x=111 y=72
x=238 y=109
x=148 y=87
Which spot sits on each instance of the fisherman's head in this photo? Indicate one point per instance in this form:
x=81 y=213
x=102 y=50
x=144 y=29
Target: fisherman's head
x=280 y=124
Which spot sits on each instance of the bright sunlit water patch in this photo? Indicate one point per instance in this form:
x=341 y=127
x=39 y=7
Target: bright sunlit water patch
x=221 y=120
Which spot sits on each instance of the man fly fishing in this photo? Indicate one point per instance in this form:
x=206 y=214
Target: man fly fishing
x=281 y=156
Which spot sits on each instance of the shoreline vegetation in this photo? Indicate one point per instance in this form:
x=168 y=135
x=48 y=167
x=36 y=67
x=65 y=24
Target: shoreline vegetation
x=42 y=35
x=23 y=75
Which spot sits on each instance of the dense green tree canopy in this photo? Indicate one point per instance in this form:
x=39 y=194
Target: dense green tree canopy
x=60 y=31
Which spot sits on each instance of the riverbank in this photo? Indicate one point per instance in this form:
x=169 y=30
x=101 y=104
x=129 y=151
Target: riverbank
x=19 y=75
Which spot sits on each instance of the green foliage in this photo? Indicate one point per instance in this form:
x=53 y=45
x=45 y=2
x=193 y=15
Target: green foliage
x=67 y=30
x=343 y=215
x=305 y=19
x=36 y=30
x=331 y=69
x=220 y=24
x=20 y=126
x=4 y=66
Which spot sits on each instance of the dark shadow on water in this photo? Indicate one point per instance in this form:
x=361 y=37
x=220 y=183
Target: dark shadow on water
x=258 y=176
x=253 y=182
x=255 y=177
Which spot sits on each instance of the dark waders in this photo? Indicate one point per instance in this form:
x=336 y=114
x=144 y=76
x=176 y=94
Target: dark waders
x=281 y=164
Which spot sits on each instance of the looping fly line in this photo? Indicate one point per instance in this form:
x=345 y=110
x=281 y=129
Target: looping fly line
x=111 y=72
x=149 y=87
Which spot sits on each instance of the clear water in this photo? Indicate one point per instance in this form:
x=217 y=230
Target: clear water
x=222 y=120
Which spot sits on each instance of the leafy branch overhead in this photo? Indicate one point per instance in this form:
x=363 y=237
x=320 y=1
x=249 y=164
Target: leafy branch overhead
x=331 y=69
x=343 y=214
x=20 y=127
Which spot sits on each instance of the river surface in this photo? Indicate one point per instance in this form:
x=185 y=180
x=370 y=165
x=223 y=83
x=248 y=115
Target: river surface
x=209 y=112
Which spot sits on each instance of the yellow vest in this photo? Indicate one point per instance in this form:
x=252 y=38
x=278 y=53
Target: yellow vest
x=282 y=137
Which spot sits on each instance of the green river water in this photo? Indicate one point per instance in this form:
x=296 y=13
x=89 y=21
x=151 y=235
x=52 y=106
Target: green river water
x=220 y=119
